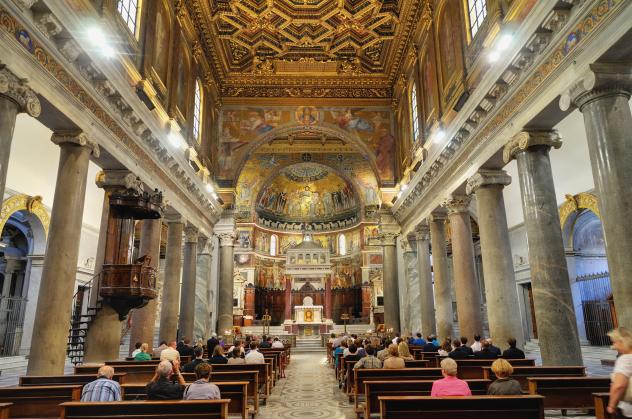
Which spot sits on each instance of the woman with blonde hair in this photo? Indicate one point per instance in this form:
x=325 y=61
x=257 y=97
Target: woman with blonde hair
x=620 y=402
x=393 y=360
x=404 y=352
x=143 y=355
x=504 y=384
x=449 y=385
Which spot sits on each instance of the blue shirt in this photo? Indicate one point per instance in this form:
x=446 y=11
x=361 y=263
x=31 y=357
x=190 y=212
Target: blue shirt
x=419 y=342
x=101 y=390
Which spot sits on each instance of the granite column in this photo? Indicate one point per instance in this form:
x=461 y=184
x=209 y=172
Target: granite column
x=603 y=97
x=54 y=304
x=424 y=270
x=171 y=280
x=468 y=295
x=552 y=298
x=225 y=294
x=442 y=288
x=187 y=294
x=202 y=317
x=500 y=284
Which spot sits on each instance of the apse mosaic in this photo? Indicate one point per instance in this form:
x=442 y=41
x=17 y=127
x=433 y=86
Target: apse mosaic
x=243 y=126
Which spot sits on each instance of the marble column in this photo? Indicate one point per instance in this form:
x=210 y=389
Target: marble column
x=116 y=244
x=54 y=304
x=424 y=270
x=202 y=318
x=15 y=97
x=500 y=283
x=328 y=307
x=603 y=97
x=187 y=293
x=288 y=298
x=225 y=294
x=443 y=291
x=552 y=298
x=171 y=281
x=144 y=319
x=468 y=295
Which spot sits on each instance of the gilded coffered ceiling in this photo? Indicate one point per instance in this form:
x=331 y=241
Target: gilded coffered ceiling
x=317 y=48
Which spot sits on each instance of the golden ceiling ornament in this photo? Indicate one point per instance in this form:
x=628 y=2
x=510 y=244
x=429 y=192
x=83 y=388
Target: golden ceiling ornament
x=262 y=67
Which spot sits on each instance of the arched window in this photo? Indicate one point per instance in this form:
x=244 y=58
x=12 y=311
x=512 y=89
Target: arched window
x=128 y=9
x=477 y=10
x=197 y=112
x=273 y=245
x=414 y=112
x=342 y=245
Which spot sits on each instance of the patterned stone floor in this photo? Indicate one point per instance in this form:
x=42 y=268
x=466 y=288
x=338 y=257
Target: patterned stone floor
x=309 y=391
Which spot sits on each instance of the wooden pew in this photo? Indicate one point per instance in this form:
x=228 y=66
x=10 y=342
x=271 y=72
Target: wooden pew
x=38 y=402
x=64 y=380
x=418 y=363
x=374 y=389
x=522 y=373
x=472 y=407
x=263 y=369
x=135 y=373
x=183 y=360
x=235 y=391
x=251 y=377
x=472 y=368
x=361 y=375
x=5 y=409
x=188 y=409
x=601 y=401
x=568 y=392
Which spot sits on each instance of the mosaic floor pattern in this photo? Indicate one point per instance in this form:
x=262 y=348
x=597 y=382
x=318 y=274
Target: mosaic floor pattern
x=309 y=391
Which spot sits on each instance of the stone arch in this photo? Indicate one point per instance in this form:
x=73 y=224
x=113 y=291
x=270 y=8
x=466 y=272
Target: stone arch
x=576 y=203
x=323 y=129
x=39 y=218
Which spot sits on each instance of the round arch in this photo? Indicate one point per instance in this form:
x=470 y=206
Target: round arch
x=576 y=203
x=30 y=204
x=323 y=129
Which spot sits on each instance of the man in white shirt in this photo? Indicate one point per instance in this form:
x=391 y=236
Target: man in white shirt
x=396 y=338
x=277 y=344
x=137 y=350
x=476 y=346
x=254 y=356
x=170 y=353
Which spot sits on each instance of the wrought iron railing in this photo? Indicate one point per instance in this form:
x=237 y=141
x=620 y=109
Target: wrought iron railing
x=597 y=306
x=85 y=304
x=12 y=311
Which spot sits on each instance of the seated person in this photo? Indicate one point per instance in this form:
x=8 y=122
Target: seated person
x=143 y=355
x=449 y=385
x=429 y=346
x=486 y=352
x=265 y=342
x=404 y=352
x=369 y=361
x=239 y=345
x=494 y=349
x=477 y=346
x=512 y=352
x=457 y=352
x=504 y=385
x=185 y=349
x=445 y=348
x=383 y=353
x=201 y=389
x=353 y=353
x=159 y=349
x=198 y=351
x=103 y=389
x=236 y=358
x=419 y=340
x=137 y=346
x=464 y=346
x=393 y=360
x=218 y=356
x=161 y=386
x=170 y=353
x=277 y=344
x=254 y=356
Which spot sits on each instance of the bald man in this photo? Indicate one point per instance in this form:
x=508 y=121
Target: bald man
x=103 y=389
x=170 y=353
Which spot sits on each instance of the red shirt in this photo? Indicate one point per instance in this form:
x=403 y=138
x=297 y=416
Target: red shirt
x=450 y=386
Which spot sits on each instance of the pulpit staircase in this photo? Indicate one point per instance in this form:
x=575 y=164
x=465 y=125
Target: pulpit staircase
x=83 y=313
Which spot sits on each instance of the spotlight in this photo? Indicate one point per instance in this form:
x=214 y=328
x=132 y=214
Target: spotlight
x=403 y=187
x=97 y=38
x=439 y=135
x=493 y=56
x=504 y=42
x=176 y=140
x=108 y=51
x=209 y=188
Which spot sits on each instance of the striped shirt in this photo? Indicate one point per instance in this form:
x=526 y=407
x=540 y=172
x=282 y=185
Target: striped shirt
x=101 y=390
x=368 y=362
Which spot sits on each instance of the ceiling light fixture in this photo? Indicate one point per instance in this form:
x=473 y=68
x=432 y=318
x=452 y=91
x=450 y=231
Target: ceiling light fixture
x=439 y=135
x=209 y=188
x=99 y=41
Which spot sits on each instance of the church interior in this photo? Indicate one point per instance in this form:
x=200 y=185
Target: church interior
x=332 y=173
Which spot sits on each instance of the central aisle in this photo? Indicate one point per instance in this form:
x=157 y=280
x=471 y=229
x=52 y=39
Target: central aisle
x=309 y=391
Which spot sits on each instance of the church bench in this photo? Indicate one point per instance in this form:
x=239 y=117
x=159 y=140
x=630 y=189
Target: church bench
x=374 y=389
x=64 y=380
x=471 y=407
x=38 y=402
x=5 y=409
x=264 y=373
x=568 y=392
x=135 y=373
x=251 y=377
x=418 y=363
x=274 y=367
x=420 y=354
x=379 y=374
x=522 y=373
x=177 y=409
x=472 y=368
x=601 y=401
x=235 y=391
x=347 y=372
x=183 y=360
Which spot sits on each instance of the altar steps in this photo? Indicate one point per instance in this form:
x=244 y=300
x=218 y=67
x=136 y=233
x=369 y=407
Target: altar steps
x=308 y=345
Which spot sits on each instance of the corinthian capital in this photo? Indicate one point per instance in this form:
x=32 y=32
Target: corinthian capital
x=603 y=79
x=190 y=234
x=498 y=178
x=422 y=232
x=77 y=138
x=457 y=203
x=226 y=239
x=526 y=139
x=120 y=180
x=17 y=90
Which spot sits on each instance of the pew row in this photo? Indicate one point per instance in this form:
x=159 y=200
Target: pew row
x=601 y=401
x=64 y=380
x=473 y=368
x=38 y=402
x=188 y=409
x=522 y=373
x=562 y=393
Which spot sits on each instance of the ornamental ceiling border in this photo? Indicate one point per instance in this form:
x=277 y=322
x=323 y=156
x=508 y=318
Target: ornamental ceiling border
x=261 y=80
x=469 y=137
x=14 y=28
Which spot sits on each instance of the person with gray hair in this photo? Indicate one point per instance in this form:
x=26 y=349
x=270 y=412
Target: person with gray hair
x=103 y=389
x=163 y=386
